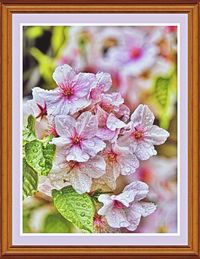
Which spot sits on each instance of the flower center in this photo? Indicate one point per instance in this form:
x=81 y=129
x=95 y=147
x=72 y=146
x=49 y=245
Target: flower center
x=138 y=134
x=99 y=223
x=118 y=205
x=43 y=110
x=68 y=91
x=76 y=140
x=135 y=53
x=72 y=164
x=112 y=157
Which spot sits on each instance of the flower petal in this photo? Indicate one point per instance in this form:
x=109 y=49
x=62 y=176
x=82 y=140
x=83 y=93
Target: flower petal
x=61 y=141
x=63 y=74
x=65 y=125
x=114 y=123
x=128 y=163
x=116 y=218
x=156 y=135
x=144 y=208
x=77 y=105
x=144 y=150
x=133 y=218
x=94 y=167
x=92 y=146
x=104 y=81
x=105 y=133
x=83 y=83
x=142 y=116
x=77 y=154
x=87 y=125
x=80 y=182
x=139 y=190
x=107 y=204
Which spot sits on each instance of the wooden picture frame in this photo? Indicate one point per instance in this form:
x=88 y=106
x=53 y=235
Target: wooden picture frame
x=9 y=7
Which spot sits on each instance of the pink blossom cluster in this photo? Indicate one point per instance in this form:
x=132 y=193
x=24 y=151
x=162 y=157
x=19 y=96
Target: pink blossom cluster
x=97 y=140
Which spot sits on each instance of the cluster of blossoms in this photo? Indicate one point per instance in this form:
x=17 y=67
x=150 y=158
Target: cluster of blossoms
x=148 y=52
x=160 y=175
x=97 y=140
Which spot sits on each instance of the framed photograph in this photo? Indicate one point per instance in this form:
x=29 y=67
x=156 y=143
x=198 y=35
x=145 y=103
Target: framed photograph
x=99 y=129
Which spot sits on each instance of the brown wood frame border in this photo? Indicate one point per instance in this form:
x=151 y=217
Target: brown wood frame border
x=191 y=7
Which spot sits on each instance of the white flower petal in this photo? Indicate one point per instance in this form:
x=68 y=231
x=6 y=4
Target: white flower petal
x=94 y=167
x=65 y=125
x=83 y=83
x=104 y=81
x=139 y=190
x=107 y=204
x=63 y=74
x=116 y=218
x=133 y=218
x=80 y=182
x=114 y=99
x=87 y=125
x=142 y=116
x=61 y=141
x=156 y=135
x=77 y=154
x=128 y=163
x=105 y=133
x=78 y=104
x=144 y=150
x=144 y=208
x=114 y=123
x=111 y=175
x=92 y=146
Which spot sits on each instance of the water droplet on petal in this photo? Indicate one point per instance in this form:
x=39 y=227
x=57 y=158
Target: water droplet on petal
x=123 y=224
x=127 y=169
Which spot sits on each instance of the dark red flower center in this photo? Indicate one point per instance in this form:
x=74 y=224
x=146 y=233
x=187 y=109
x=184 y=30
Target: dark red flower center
x=76 y=140
x=112 y=156
x=138 y=134
x=43 y=111
x=68 y=91
x=135 y=53
x=118 y=205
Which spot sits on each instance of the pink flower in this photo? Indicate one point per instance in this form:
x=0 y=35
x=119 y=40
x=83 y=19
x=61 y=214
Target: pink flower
x=37 y=106
x=143 y=135
x=102 y=85
x=137 y=55
x=72 y=92
x=78 y=137
x=126 y=208
x=79 y=175
x=119 y=161
x=109 y=125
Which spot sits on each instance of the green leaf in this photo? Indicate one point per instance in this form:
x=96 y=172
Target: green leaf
x=161 y=91
x=29 y=131
x=55 y=223
x=46 y=65
x=26 y=218
x=76 y=208
x=40 y=156
x=30 y=180
x=34 y=32
x=58 y=39
x=164 y=93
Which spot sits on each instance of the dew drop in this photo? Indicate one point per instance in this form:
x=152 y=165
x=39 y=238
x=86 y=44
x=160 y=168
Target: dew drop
x=82 y=214
x=42 y=163
x=123 y=224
